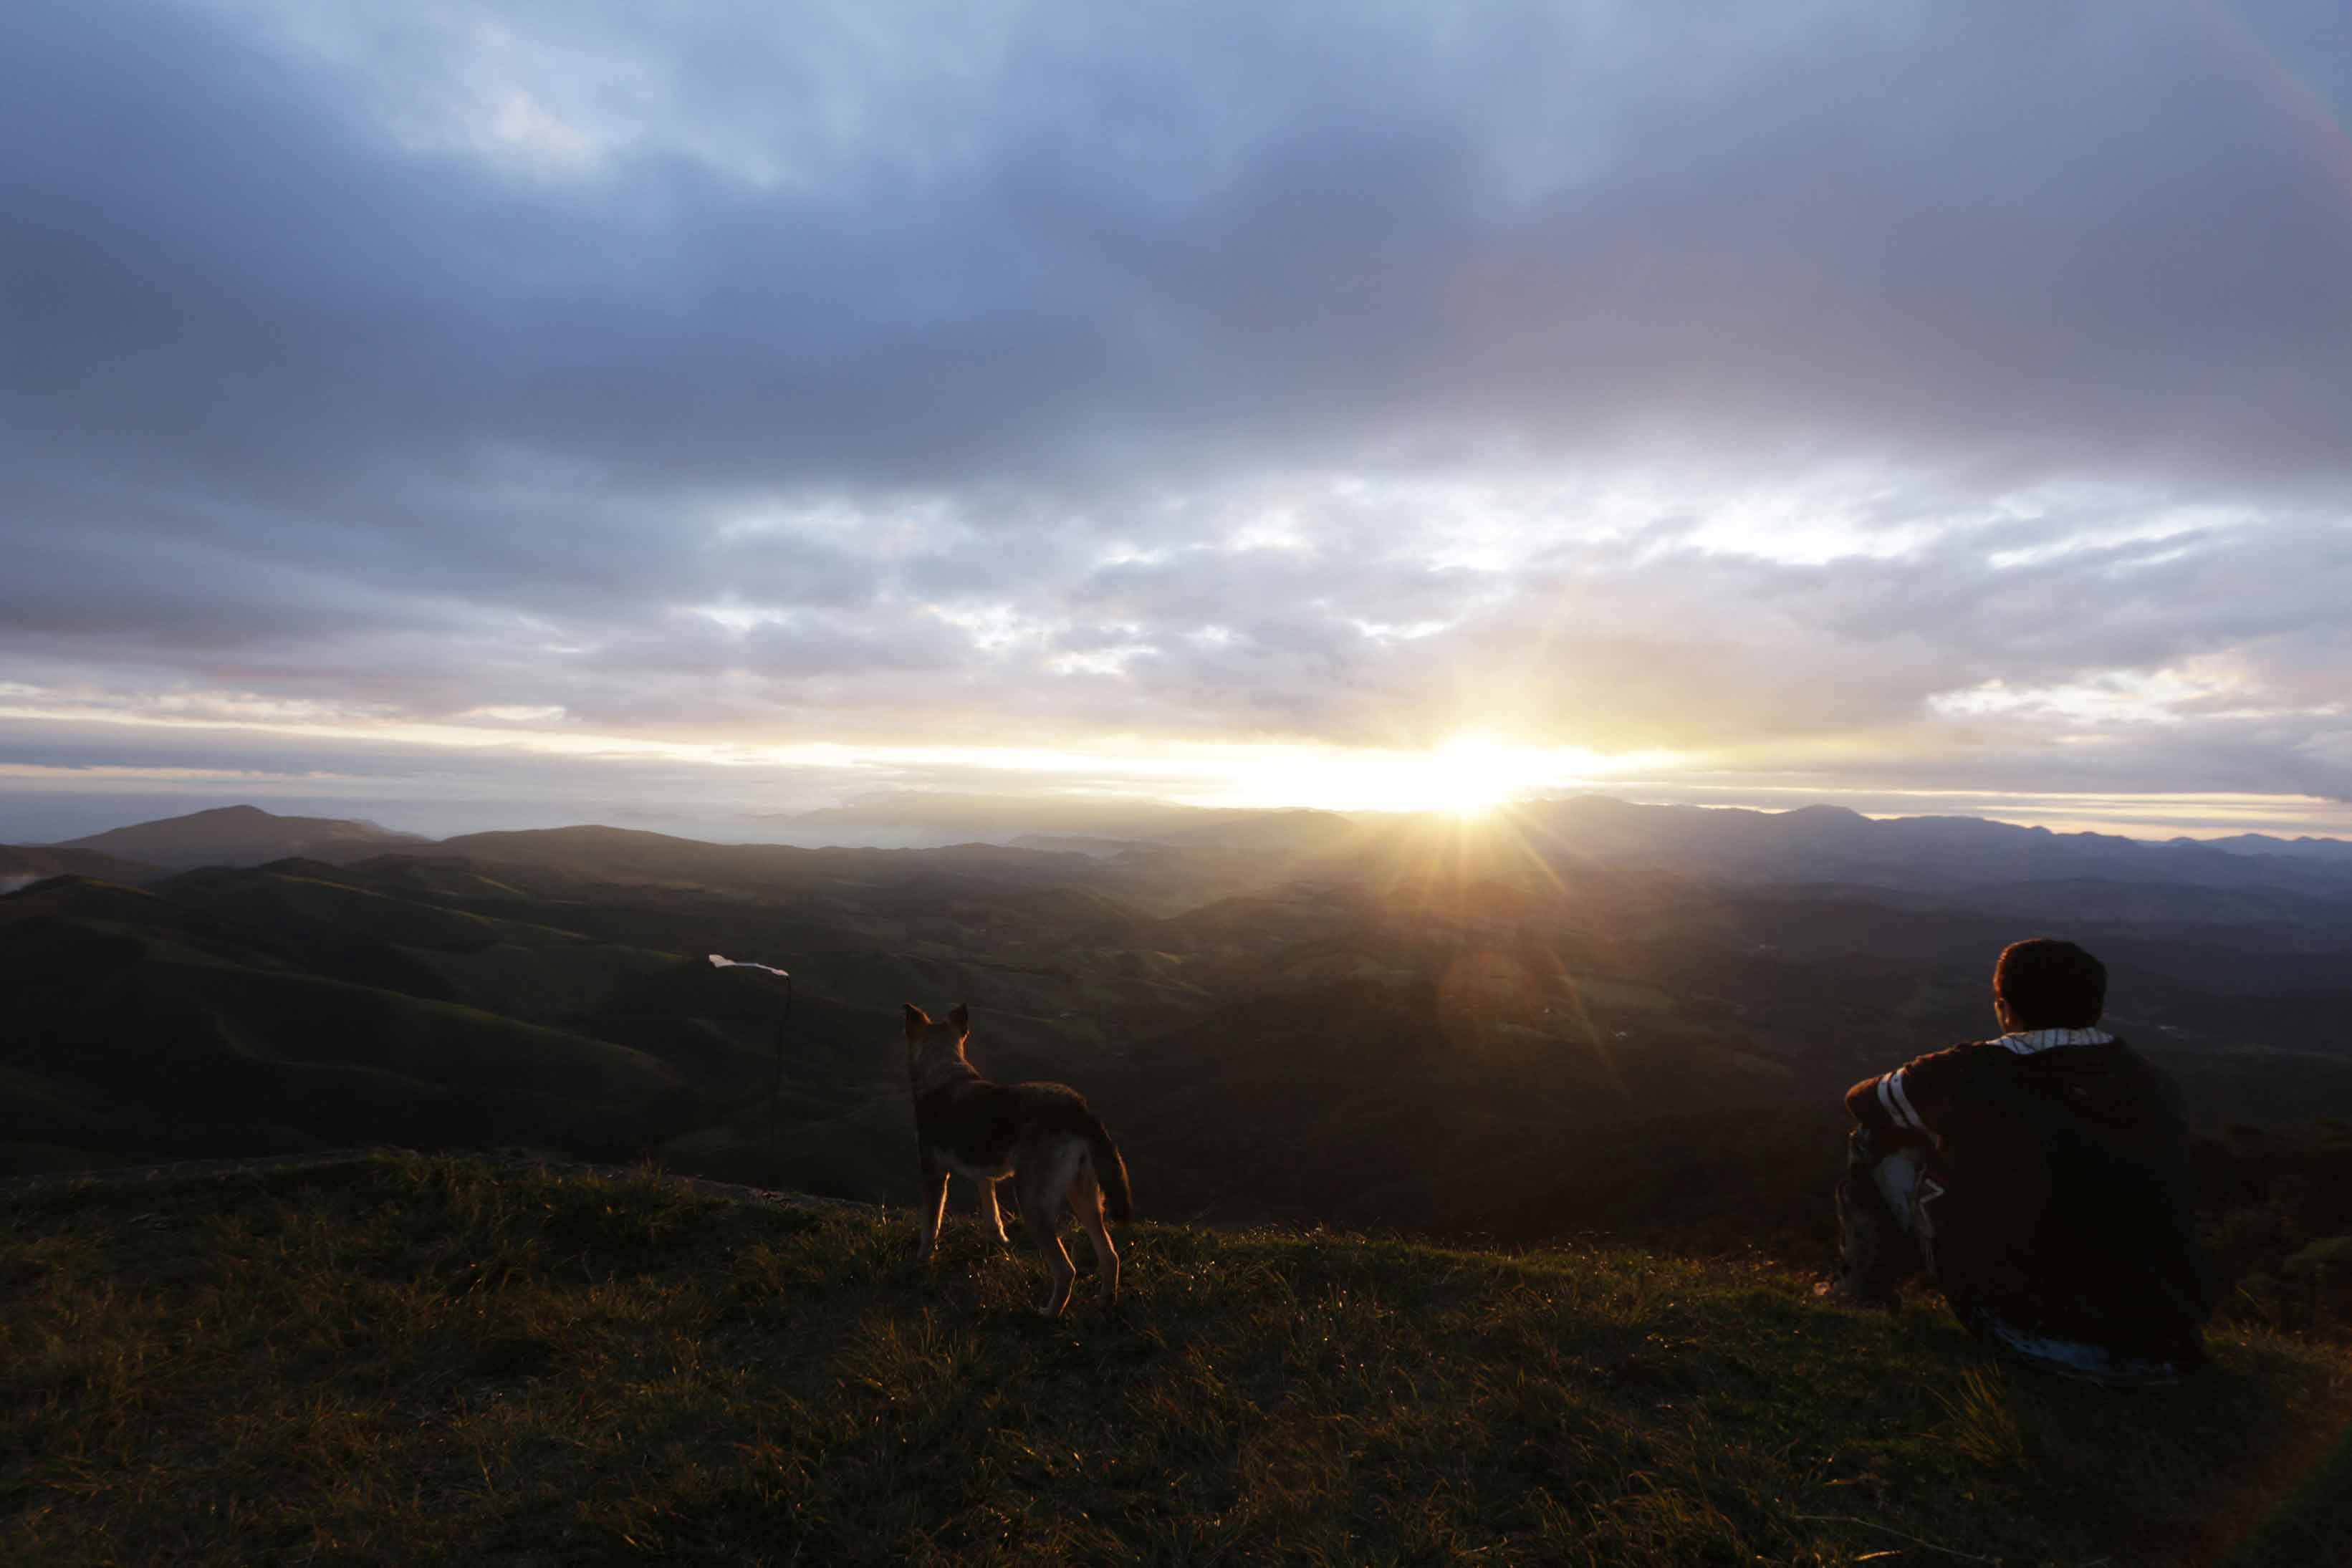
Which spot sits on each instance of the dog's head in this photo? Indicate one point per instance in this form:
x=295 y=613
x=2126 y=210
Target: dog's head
x=935 y=1044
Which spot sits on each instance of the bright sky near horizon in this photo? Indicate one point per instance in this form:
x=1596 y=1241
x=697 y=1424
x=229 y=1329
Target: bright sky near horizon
x=549 y=410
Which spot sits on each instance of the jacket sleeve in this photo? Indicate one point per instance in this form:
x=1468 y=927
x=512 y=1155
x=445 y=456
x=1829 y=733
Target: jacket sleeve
x=1916 y=1097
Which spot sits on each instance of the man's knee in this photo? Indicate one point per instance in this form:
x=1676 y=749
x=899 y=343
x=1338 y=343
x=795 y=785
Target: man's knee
x=1897 y=1180
x=1874 y=1208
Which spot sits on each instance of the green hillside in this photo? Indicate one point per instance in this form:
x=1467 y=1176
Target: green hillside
x=293 y=895
x=406 y=1360
x=139 y=1025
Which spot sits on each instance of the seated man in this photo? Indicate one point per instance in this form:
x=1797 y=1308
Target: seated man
x=2042 y=1178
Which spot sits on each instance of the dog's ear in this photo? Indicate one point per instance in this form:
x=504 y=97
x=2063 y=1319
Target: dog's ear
x=917 y=1021
x=961 y=1019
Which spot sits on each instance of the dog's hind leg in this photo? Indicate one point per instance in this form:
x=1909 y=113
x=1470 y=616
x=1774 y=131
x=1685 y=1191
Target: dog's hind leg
x=992 y=1219
x=1086 y=1200
x=1038 y=1212
x=934 y=1207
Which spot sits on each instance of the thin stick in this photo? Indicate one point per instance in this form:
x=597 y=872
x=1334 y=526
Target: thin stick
x=1890 y=1530
x=776 y=1092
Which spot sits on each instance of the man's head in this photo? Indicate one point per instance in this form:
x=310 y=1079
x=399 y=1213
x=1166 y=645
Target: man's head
x=2043 y=983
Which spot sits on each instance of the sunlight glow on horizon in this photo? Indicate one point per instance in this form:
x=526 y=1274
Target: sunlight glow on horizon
x=1467 y=776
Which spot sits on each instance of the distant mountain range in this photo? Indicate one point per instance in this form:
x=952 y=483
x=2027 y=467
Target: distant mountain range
x=2336 y=850
x=1811 y=844
x=1830 y=843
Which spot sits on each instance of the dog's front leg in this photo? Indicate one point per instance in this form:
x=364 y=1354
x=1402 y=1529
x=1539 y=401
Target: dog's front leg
x=934 y=1207
x=992 y=1219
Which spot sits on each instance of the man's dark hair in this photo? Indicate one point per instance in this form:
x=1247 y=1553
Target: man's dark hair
x=2048 y=984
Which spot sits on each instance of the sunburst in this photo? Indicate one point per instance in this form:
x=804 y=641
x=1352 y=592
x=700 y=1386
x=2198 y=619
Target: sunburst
x=1467 y=776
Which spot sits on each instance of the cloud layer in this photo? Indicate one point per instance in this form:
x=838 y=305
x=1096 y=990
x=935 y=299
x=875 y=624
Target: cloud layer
x=1846 y=395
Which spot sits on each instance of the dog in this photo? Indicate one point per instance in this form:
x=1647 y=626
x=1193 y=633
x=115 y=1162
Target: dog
x=1043 y=1135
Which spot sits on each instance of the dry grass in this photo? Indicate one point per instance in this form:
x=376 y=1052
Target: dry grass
x=412 y=1360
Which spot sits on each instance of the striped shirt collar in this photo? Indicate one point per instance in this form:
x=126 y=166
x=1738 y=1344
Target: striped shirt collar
x=2026 y=1042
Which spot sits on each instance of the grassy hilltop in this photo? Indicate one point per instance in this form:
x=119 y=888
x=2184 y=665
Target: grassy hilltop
x=407 y=1360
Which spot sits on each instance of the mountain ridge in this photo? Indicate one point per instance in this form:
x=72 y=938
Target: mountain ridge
x=242 y=834
x=1815 y=842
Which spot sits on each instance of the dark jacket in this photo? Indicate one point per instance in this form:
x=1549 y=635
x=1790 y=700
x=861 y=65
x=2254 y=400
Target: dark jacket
x=2064 y=1158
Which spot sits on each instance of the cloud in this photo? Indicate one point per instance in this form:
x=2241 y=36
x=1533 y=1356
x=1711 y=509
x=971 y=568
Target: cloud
x=1844 y=391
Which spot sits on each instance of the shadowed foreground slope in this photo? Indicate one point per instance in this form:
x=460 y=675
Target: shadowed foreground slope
x=404 y=1360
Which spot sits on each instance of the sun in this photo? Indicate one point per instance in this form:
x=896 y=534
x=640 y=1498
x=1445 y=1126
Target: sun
x=1467 y=776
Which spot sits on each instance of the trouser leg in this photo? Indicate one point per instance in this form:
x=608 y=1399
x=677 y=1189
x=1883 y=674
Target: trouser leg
x=1876 y=1251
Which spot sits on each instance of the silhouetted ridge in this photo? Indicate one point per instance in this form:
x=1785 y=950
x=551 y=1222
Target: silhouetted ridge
x=243 y=835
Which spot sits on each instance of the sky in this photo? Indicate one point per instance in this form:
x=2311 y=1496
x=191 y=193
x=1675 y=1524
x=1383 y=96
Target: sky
x=495 y=415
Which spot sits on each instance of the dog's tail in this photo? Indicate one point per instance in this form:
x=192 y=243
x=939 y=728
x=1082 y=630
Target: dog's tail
x=1110 y=1171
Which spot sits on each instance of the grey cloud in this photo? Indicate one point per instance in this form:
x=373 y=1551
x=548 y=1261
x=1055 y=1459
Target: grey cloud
x=846 y=321
x=2056 y=237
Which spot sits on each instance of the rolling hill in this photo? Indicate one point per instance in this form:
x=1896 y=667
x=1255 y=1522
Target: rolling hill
x=24 y=865
x=243 y=835
x=141 y=1025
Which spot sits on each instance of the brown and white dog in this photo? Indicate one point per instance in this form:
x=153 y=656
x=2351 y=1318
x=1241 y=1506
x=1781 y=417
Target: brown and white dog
x=1043 y=1135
